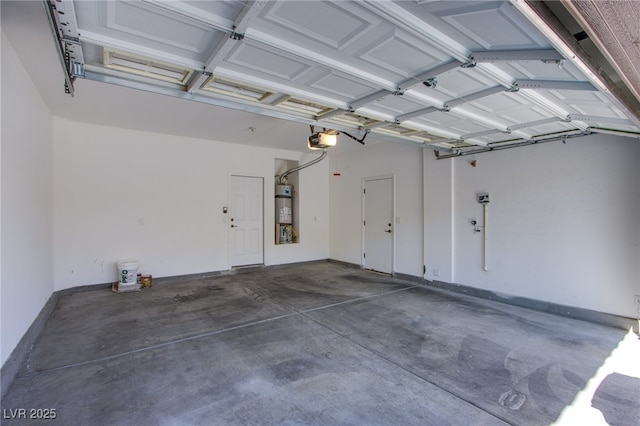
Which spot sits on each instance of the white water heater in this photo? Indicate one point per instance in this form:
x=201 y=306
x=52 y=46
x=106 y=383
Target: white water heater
x=284 y=202
x=284 y=213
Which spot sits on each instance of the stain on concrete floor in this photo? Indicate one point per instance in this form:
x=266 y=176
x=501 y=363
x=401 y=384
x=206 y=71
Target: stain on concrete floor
x=318 y=343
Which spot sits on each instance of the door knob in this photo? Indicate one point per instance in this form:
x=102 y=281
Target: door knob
x=234 y=226
x=388 y=230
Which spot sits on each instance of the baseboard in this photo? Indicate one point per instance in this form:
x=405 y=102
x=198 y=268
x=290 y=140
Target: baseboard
x=410 y=278
x=198 y=275
x=12 y=366
x=343 y=263
x=14 y=363
x=18 y=357
x=615 y=321
x=610 y=320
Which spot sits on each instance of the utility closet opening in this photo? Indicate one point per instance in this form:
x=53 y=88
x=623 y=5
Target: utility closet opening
x=287 y=217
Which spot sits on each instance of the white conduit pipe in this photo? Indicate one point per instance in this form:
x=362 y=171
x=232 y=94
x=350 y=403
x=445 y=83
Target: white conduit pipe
x=486 y=230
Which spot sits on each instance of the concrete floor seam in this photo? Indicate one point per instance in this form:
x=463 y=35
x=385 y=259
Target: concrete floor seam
x=304 y=313
x=160 y=345
x=413 y=373
x=210 y=333
x=346 y=302
x=318 y=344
x=381 y=356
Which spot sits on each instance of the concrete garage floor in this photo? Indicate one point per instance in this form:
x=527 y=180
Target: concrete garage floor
x=318 y=343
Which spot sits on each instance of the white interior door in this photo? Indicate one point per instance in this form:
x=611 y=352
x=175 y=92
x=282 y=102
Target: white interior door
x=246 y=221
x=378 y=225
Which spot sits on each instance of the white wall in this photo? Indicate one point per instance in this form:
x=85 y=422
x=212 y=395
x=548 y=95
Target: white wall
x=564 y=222
x=439 y=210
x=403 y=161
x=158 y=199
x=564 y=219
x=26 y=231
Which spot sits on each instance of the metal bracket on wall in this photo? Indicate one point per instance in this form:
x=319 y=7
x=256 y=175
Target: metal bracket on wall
x=361 y=140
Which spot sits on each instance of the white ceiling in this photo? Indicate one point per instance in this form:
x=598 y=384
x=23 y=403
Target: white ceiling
x=179 y=67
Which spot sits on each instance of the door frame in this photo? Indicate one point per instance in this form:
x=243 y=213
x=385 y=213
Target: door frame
x=393 y=218
x=227 y=216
